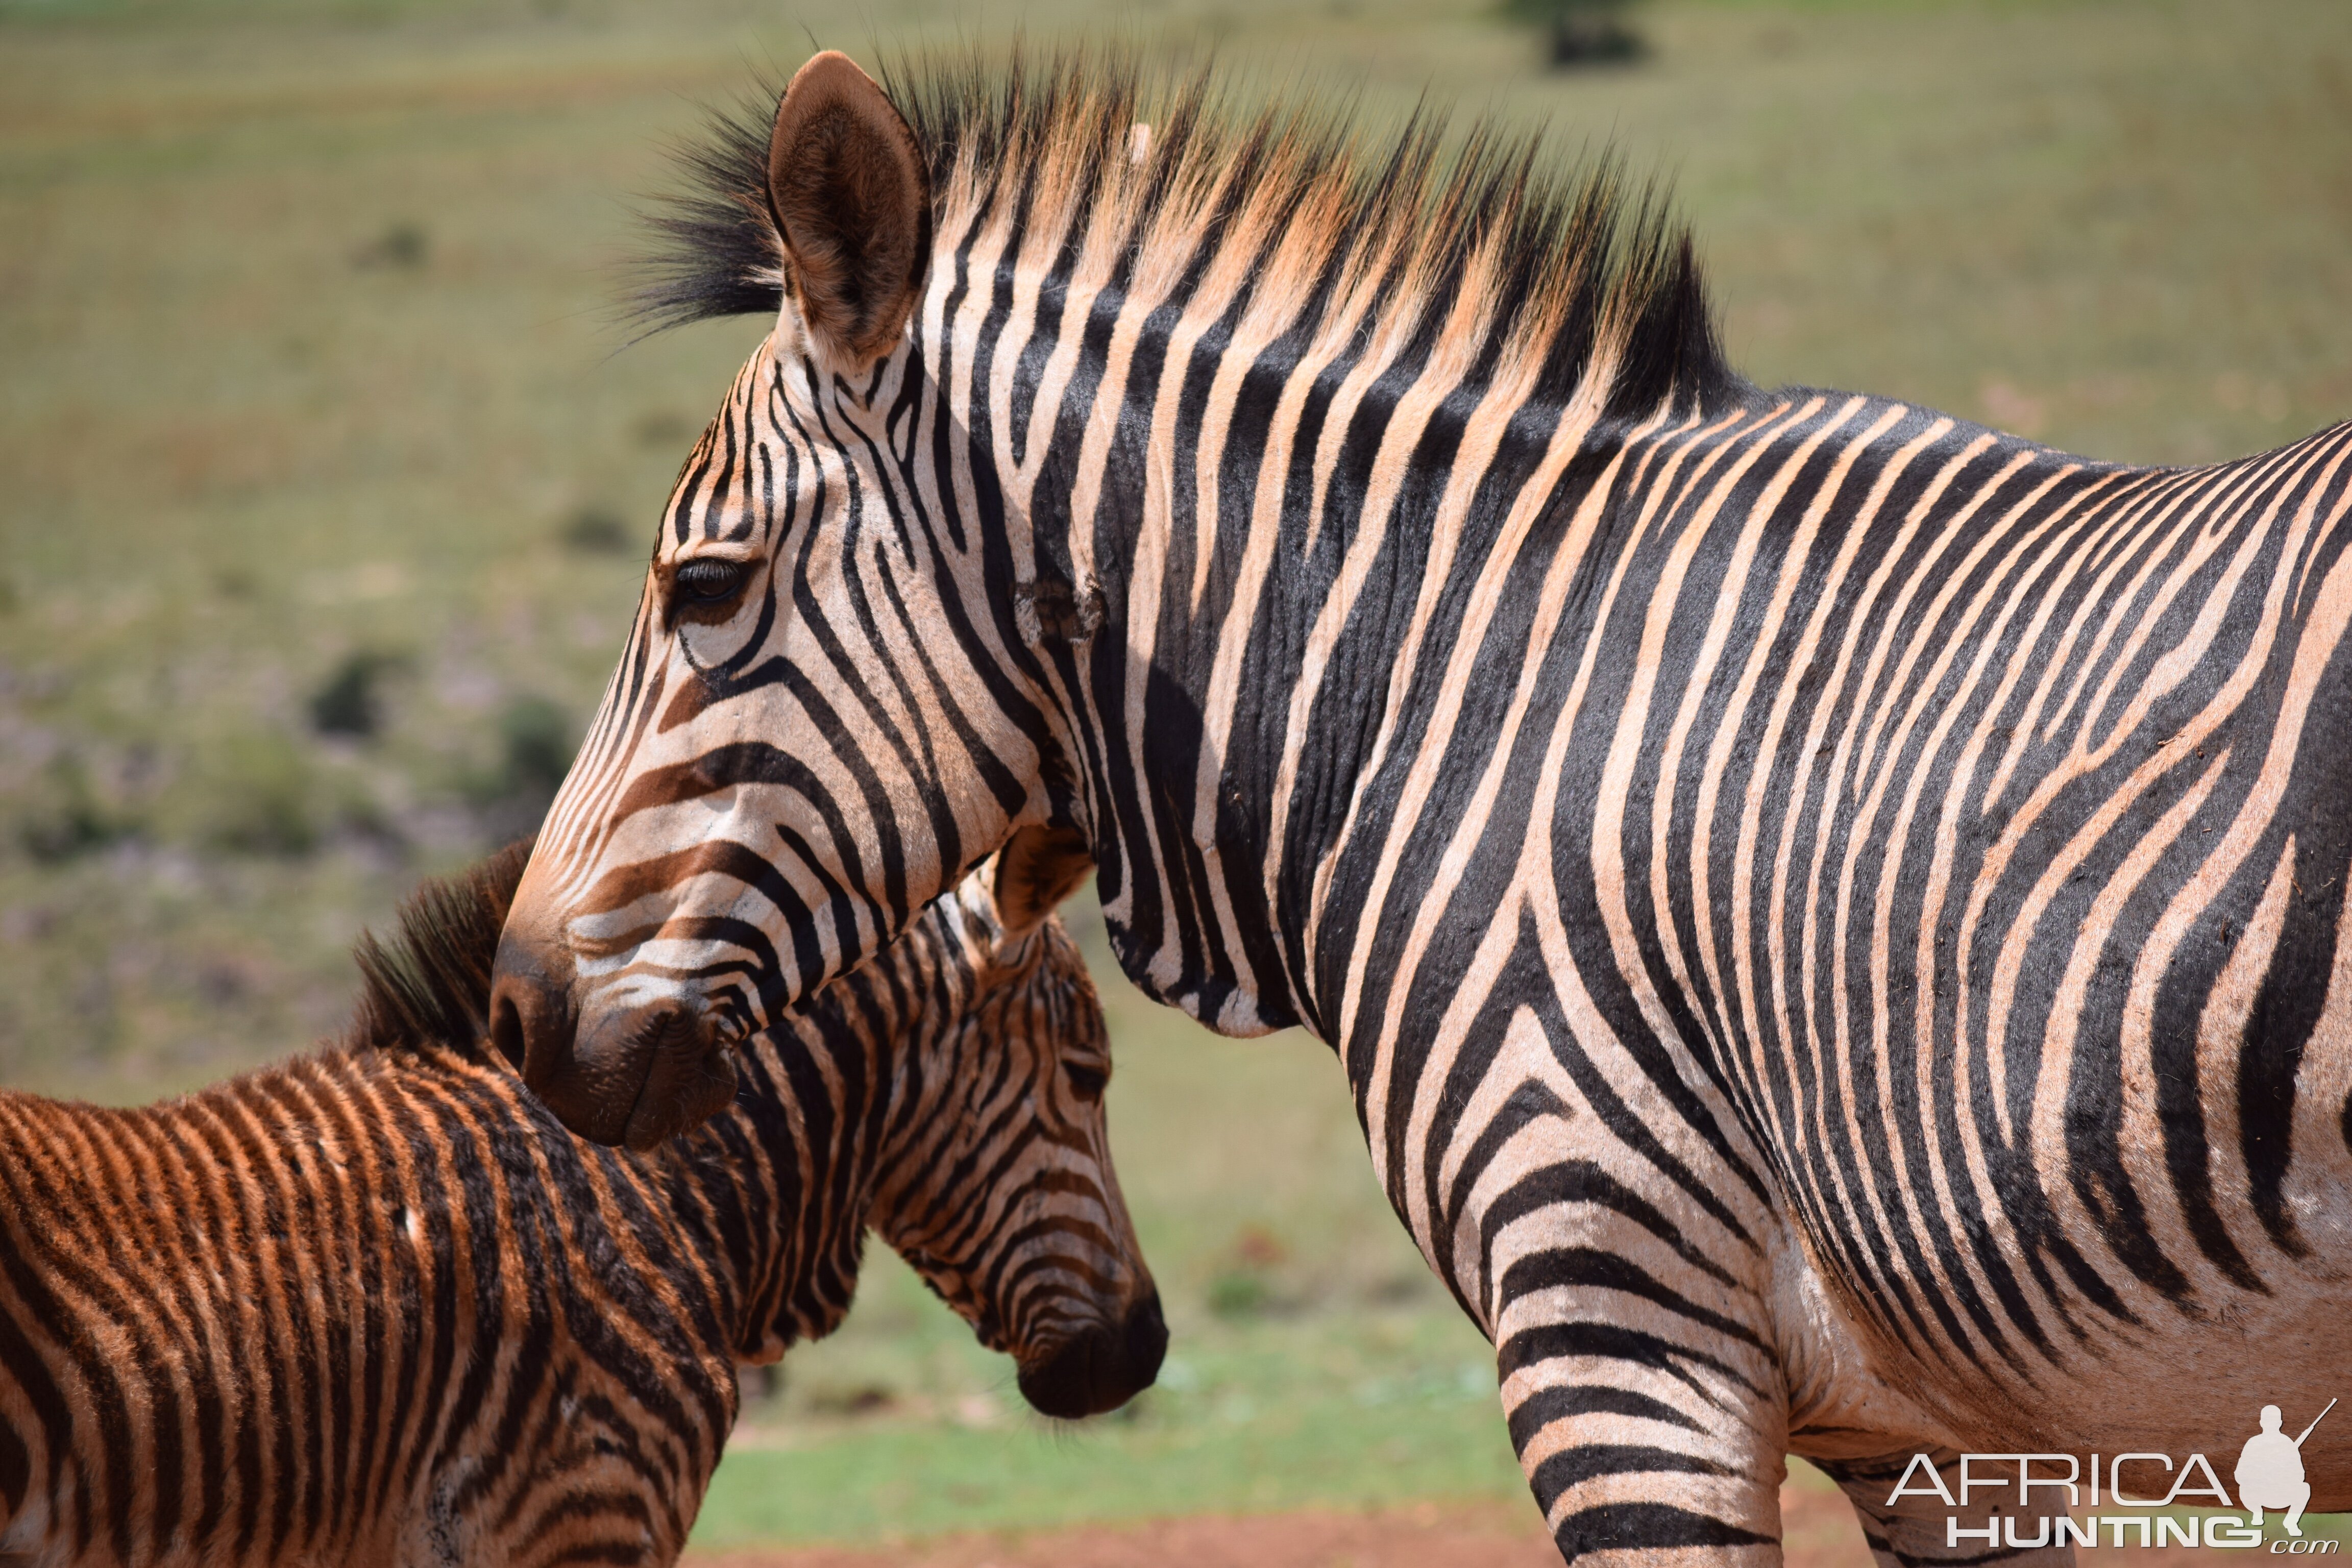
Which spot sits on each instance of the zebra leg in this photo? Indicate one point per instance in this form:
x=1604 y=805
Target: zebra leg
x=1918 y=1532
x=1646 y=1421
x=1638 y=1373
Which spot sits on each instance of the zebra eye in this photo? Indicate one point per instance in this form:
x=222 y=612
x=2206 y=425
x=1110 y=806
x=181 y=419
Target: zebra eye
x=1087 y=1083
x=708 y=580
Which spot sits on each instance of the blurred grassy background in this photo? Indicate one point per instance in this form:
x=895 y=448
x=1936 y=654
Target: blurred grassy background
x=325 y=480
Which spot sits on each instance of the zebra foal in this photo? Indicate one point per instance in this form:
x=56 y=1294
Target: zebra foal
x=375 y=1306
x=1833 y=916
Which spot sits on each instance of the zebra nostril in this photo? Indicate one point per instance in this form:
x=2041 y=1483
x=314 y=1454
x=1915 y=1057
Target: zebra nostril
x=531 y=1019
x=506 y=1031
x=531 y=1022
x=1147 y=1342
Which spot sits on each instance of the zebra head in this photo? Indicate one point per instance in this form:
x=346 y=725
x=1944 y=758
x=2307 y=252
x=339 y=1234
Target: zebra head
x=752 y=810
x=995 y=1182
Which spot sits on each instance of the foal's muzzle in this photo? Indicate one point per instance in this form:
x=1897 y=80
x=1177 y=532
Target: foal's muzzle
x=1101 y=1367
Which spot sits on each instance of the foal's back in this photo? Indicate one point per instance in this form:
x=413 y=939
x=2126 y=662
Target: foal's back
x=370 y=1306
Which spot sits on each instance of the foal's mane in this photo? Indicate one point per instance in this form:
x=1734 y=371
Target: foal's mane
x=1471 y=252
x=430 y=985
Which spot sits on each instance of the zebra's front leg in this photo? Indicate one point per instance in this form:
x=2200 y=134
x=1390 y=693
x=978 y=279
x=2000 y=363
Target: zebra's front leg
x=1921 y=1530
x=1644 y=1396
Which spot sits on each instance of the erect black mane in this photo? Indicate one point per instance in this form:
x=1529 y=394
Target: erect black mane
x=717 y=254
x=1583 y=252
x=430 y=985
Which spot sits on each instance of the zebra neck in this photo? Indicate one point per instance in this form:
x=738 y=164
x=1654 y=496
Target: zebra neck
x=1276 y=576
x=776 y=1190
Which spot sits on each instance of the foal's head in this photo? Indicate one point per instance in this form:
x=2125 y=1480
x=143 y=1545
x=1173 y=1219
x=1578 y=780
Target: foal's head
x=949 y=1095
x=977 y=1046
x=996 y=1183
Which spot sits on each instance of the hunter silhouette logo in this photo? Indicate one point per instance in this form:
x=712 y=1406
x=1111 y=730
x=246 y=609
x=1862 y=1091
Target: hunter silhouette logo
x=2269 y=1471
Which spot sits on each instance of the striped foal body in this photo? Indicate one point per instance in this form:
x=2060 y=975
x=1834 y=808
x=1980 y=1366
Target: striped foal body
x=1832 y=914
x=376 y=1306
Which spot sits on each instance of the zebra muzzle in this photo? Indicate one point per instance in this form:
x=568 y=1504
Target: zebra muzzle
x=1099 y=1368
x=635 y=1075
x=689 y=1076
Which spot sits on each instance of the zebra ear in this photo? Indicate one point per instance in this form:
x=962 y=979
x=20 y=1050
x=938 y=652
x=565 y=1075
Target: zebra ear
x=852 y=202
x=1036 y=871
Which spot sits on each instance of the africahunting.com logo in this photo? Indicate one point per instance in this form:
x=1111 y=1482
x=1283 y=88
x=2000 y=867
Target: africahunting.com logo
x=2269 y=1475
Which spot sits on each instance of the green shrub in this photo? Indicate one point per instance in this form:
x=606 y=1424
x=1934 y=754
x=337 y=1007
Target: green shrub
x=351 y=700
x=63 y=814
x=1239 y=1293
x=252 y=795
x=598 y=531
x=1580 y=32
x=537 y=740
x=403 y=245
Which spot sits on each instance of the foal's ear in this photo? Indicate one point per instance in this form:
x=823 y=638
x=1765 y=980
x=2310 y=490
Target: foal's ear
x=1035 y=872
x=852 y=202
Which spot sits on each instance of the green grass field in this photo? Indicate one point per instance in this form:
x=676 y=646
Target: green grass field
x=325 y=477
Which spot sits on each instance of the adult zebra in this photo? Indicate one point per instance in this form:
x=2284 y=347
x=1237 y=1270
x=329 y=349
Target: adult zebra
x=375 y=1306
x=1831 y=913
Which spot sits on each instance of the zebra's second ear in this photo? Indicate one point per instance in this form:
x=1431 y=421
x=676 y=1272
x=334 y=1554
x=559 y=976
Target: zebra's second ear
x=1036 y=871
x=852 y=203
